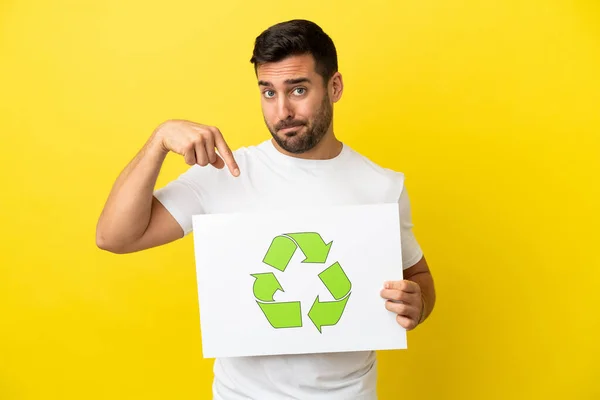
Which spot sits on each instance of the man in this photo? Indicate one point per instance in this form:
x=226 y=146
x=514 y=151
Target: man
x=303 y=164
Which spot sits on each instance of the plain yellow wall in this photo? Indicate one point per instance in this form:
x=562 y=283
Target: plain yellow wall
x=490 y=108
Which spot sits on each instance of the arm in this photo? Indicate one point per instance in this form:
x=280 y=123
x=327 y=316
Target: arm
x=133 y=219
x=412 y=298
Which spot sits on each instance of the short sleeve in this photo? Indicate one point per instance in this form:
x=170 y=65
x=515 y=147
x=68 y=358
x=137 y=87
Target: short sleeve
x=182 y=198
x=411 y=251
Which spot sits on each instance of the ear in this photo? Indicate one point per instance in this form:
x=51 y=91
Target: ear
x=336 y=87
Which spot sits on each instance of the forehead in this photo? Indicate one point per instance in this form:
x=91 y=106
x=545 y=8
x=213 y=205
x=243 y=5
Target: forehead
x=291 y=67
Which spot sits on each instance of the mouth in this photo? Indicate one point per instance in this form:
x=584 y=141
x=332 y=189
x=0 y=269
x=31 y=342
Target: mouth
x=291 y=130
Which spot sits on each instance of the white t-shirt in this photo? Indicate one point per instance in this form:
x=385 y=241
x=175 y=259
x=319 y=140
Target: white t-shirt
x=271 y=180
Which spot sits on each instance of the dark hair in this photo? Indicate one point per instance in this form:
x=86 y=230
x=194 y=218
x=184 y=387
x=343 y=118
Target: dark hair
x=296 y=37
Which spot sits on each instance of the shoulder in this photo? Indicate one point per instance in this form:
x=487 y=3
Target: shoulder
x=376 y=175
x=364 y=162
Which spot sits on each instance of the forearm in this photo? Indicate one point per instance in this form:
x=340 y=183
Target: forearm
x=425 y=282
x=127 y=211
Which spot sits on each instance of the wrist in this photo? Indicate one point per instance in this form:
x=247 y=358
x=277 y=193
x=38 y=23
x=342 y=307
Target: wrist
x=156 y=143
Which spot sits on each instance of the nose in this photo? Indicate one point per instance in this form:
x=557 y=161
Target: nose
x=284 y=109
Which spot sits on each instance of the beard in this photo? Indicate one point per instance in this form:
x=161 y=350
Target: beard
x=297 y=142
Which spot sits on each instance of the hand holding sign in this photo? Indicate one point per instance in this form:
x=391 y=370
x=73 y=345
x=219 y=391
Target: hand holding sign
x=404 y=298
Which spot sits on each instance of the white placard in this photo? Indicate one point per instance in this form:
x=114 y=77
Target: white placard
x=259 y=276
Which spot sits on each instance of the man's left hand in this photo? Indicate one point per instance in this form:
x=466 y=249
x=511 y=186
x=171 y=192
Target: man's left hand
x=404 y=299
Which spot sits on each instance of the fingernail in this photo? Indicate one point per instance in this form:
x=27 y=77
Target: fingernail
x=236 y=171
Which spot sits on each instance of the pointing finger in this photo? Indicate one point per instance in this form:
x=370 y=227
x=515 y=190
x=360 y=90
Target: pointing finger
x=226 y=153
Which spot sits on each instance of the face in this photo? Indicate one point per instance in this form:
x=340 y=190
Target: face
x=296 y=103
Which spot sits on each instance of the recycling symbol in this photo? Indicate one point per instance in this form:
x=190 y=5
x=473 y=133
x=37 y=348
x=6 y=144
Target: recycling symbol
x=289 y=314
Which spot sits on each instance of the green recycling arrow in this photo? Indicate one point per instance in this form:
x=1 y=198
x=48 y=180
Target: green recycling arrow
x=327 y=312
x=280 y=252
x=313 y=246
x=265 y=286
x=289 y=314
x=335 y=280
x=282 y=315
x=283 y=247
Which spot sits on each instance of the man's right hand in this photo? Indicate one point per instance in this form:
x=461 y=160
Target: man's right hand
x=196 y=143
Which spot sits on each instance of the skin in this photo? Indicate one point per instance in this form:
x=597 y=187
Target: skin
x=292 y=92
x=297 y=106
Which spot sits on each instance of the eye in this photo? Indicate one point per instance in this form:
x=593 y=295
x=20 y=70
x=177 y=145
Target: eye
x=300 y=91
x=269 y=93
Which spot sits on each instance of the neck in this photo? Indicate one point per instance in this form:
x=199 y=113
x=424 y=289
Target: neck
x=329 y=147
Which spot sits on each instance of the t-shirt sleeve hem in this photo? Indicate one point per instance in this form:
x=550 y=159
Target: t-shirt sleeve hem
x=415 y=259
x=179 y=215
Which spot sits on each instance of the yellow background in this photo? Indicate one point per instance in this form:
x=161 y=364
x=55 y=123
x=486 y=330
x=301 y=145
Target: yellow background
x=491 y=108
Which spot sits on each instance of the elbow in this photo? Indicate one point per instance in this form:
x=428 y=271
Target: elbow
x=111 y=246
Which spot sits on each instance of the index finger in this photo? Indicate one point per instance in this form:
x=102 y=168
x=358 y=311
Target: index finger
x=226 y=153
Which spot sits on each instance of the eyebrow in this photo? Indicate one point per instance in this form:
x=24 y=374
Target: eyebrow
x=293 y=81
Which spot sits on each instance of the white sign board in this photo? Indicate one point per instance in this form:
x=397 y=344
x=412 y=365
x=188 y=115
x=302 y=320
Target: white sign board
x=302 y=281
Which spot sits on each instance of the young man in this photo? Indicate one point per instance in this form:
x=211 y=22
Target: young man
x=303 y=164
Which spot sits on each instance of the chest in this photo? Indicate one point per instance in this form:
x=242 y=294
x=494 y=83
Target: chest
x=278 y=191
